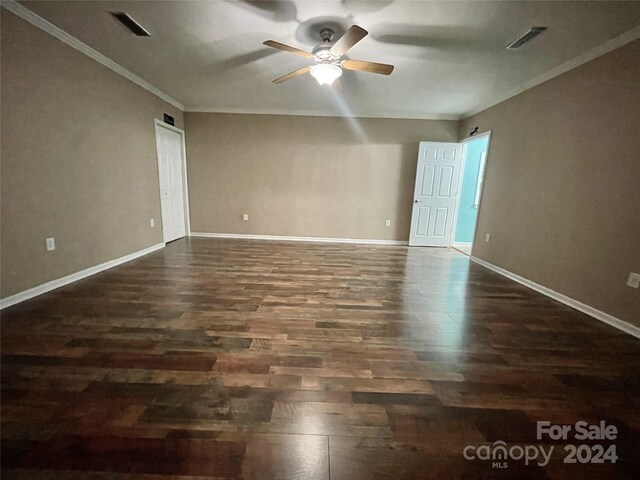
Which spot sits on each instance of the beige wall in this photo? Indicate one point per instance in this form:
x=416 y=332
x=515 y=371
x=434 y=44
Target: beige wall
x=562 y=191
x=561 y=199
x=78 y=160
x=305 y=176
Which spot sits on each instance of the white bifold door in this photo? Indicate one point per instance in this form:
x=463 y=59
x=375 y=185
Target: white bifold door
x=434 y=199
x=172 y=181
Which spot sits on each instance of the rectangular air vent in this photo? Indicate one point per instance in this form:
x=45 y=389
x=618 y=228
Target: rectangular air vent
x=131 y=24
x=533 y=32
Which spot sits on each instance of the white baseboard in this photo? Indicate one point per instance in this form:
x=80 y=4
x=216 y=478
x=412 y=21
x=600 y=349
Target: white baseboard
x=284 y=238
x=74 y=277
x=582 y=307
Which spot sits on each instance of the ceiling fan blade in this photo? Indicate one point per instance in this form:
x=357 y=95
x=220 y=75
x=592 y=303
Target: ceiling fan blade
x=291 y=75
x=348 y=40
x=371 y=67
x=287 y=48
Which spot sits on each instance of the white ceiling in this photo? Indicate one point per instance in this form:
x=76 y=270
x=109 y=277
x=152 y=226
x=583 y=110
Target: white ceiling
x=449 y=55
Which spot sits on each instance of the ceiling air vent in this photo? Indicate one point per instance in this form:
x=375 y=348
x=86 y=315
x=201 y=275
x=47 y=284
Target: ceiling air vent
x=131 y=24
x=533 y=32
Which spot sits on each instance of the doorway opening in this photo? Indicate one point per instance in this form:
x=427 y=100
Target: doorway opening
x=474 y=158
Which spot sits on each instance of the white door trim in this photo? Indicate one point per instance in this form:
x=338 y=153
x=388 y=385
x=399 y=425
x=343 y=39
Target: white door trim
x=185 y=183
x=464 y=143
x=477 y=136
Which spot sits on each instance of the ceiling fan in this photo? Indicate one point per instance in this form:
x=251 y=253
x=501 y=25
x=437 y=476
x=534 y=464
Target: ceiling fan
x=328 y=66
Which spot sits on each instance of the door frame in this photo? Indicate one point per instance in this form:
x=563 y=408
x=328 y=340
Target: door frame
x=464 y=143
x=185 y=188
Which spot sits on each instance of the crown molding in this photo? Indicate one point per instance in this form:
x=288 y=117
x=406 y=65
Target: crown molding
x=36 y=20
x=592 y=54
x=318 y=113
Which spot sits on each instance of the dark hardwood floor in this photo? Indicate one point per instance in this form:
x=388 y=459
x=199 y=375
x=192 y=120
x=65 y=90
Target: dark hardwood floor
x=243 y=359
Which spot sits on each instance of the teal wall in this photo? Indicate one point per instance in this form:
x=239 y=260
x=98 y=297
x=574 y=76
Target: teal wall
x=467 y=213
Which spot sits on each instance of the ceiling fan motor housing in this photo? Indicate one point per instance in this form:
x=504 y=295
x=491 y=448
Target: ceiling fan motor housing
x=323 y=53
x=326 y=34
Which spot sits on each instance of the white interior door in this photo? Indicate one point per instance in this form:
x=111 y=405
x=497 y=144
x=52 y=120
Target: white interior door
x=435 y=194
x=171 y=175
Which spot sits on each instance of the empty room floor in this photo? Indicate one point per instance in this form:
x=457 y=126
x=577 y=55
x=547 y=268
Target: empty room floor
x=247 y=359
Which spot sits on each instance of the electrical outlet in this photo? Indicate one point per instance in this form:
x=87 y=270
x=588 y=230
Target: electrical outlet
x=51 y=244
x=245 y=217
x=487 y=237
x=387 y=223
x=152 y=222
x=634 y=280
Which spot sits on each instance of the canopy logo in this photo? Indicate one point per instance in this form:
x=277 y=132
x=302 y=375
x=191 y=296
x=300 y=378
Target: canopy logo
x=499 y=453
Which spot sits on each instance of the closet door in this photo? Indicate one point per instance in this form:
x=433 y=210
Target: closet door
x=171 y=177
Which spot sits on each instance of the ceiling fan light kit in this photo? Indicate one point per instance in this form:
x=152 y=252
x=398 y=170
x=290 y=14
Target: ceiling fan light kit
x=325 y=73
x=327 y=56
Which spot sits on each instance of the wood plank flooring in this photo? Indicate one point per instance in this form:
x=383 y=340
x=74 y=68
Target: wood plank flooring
x=232 y=359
